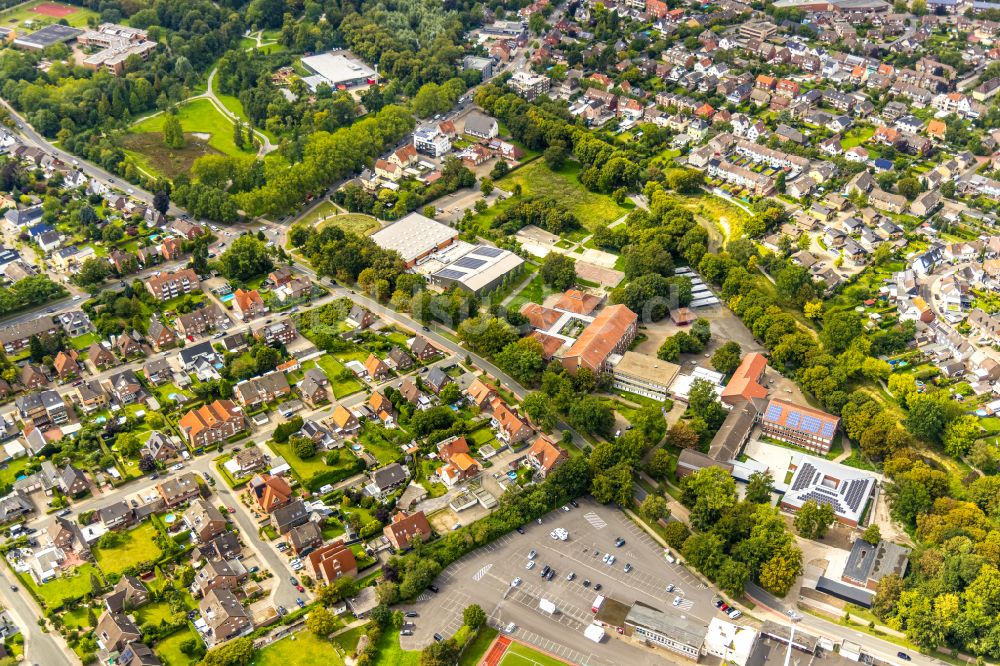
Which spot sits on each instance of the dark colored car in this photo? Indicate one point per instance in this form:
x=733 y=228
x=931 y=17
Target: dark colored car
x=903 y=656
x=412 y=614
x=575 y=505
x=293 y=580
x=597 y=588
x=619 y=542
x=438 y=637
x=520 y=530
x=434 y=588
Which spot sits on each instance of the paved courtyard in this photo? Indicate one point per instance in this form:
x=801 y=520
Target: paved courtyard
x=485 y=575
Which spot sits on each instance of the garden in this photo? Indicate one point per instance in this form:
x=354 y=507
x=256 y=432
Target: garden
x=129 y=548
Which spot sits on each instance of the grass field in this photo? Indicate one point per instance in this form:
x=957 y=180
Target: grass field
x=200 y=117
x=14 y=469
x=16 y=16
x=304 y=469
x=138 y=547
x=300 y=649
x=519 y=654
x=476 y=648
x=538 y=179
x=533 y=292
x=356 y=223
x=71 y=586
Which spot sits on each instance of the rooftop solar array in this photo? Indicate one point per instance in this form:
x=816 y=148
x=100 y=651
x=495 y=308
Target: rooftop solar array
x=469 y=262
x=450 y=274
x=487 y=251
x=773 y=413
x=812 y=481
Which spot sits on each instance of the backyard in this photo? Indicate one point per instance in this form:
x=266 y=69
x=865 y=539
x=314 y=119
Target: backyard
x=137 y=546
x=590 y=208
x=72 y=586
x=169 y=649
x=333 y=369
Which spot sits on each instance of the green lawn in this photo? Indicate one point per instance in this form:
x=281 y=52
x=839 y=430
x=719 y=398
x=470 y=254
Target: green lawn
x=476 y=648
x=71 y=586
x=138 y=547
x=533 y=292
x=304 y=469
x=374 y=440
x=333 y=368
x=390 y=654
x=14 y=469
x=76 y=617
x=153 y=613
x=169 y=649
x=519 y=654
x=856 y=137
x=198 y=116
x=82 y=342
x=300 y=649
x=537 y=178
x=356 y=223
x=13 y=17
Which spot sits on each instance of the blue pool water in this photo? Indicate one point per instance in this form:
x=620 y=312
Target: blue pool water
x=226 y=298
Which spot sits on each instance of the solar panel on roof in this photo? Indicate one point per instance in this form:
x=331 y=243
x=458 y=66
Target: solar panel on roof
x=773 y=412
x=487 y=251
x=449 y=274
x=793 y=420
x=811 y=424
x=469 y=262
x=827 y=429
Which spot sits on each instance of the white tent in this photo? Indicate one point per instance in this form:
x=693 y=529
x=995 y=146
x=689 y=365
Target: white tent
x=546 y=606
x=594 y=632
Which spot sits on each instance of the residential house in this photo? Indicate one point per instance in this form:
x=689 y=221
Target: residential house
x=256 y=391
x=304 y=537
x=313 y=387
x=382 y=408
x=248 y=304
x=66 y=365
x=459 y=465
x=292 y=514
x=280 y=331
x=224 y=615
x=202 y=320
x=101 y=356
x=115 y=631
x=116 y=515
x=344 y=421
x=399 y=359
x=130 y=345
x=436 y=379
x=332 y=561
x=270 y=492
x=509 y=427
x=204 y=520
x=405 y=528
x=32 y=376
x=250 y=460
x=157 y=371
x=159 y=447
x=386 y=479
x=360 y=317
x=211 y=423
x=125 y=388
x=178 y=490
x=160 y=335
x=422 y=348
x=376 y=368
x=128 y=593
x=545 y=456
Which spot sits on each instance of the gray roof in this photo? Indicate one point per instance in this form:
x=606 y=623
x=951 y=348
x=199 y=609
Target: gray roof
x=479 y=123
x=191 y=354
x=26 y=329
x=677 y=627
x=389 y=476
x=291 y=513
x=869 y=562
x=849 y=593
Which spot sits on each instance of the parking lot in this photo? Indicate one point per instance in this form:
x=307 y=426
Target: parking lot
x=484 y=577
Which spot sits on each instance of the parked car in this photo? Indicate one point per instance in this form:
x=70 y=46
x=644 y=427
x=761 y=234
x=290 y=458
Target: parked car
x=530 y=564
x=619 y=542
x=434 y=588
x=571 y=575
x=586 y=582
x=734 y=614
x=412 y=614
x=597 y=587
x=574 y=503
x=515 y=582
x=670 y=587
x=299 y=601
x=438 y=637
x=406 y=632
x=532 y=554
x=520 y=530
x=628 y=567
x=677 y=601
x=903 y=656
x=293 y=580
x=545 y=570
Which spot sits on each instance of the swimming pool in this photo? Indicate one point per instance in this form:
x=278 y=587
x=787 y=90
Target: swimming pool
x=226 y=298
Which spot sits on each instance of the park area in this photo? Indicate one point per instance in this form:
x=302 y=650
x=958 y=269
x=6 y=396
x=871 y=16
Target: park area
x=300 y=649
x=590 y=208
x=206 y=132
x=35 y=15
x=327 y=214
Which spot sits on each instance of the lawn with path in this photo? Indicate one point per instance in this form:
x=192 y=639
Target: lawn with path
x=590 y=208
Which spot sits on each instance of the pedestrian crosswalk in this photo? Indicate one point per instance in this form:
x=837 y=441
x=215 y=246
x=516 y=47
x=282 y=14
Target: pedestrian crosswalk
x=595 y=521
x=478 y=576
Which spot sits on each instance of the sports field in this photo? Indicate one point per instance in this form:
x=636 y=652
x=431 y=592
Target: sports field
x=34 y=15
x=519 y=654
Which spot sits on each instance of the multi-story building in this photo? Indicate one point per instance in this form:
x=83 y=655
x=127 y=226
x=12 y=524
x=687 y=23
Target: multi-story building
x=202 y=320
x=611 y=332
x=803 y=426
x=169 y=285
x=17 y=337
x=260 y=390
x=643 y=375
x=280 y=331
x=757 y=183
x=332 y=561
x=528 y=85
x=431 y=141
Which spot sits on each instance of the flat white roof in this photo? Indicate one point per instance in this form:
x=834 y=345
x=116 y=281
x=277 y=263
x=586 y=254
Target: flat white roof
x=338 y=68
x=413 y=236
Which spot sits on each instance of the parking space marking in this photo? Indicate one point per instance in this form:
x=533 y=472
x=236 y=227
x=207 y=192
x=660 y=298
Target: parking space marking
x=478 y=576
x=596 y=521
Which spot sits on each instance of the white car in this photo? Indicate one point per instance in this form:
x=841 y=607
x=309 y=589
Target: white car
x=606 y=558
x=509 y=629
x=532 y=554
x=611 y=560
x=177 y=467
x=515 y=582
x=298 y=567
x=530 y=564
x=677 y=601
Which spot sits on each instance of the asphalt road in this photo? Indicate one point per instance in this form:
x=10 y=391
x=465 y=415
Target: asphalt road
x=485 y=577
